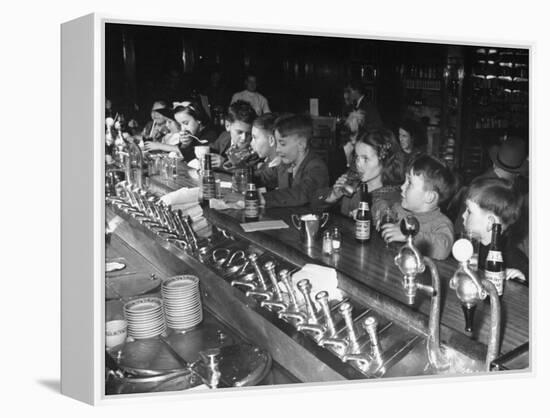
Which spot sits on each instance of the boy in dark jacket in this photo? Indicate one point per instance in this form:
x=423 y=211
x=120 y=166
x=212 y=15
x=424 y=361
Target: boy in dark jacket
x=301 y=172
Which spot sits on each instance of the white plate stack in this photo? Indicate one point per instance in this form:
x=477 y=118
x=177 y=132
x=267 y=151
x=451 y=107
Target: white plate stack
x=145 y=317
x=182 y=301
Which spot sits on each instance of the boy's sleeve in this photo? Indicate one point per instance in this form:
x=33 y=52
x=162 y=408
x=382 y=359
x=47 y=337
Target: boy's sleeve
x=314 y=178
x=437 y=242
x=267 y=177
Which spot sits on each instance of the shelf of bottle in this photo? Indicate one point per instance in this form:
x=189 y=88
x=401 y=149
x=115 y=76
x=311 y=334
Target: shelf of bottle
x=429 y=89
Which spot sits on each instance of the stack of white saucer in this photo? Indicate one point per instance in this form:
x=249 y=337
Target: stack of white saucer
x=145 y=317
x=182 y=301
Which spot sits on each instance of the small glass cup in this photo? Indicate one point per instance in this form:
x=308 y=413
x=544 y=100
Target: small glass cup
x=387 y=216
x=240 y=180
x=352 y=182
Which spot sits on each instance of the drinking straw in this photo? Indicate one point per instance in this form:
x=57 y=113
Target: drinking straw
x=152 y=129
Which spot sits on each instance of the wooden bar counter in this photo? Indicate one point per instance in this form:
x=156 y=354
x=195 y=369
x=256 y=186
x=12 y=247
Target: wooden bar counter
x=371 y=265
x=366 y=273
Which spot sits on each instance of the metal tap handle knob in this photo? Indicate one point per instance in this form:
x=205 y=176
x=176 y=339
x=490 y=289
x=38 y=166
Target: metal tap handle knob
x=305 y=286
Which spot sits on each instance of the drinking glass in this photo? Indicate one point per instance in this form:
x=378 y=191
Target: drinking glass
x=240 y=179
x=387 y=216
x=352 y=182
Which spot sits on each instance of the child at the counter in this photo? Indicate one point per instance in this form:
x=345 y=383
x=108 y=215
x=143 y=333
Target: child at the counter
x=237 y=137
x=490 y=200
x=428 y=184
x=301 y=172
x=264 y=144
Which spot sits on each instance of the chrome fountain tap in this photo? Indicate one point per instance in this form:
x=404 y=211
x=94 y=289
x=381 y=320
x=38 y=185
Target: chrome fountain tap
x=330 y=338
x=259 y=275
x=322 y=299
x=293 y=310
x=411 y=263
x=191 y=235
x=262 y=291
x=277 y=301
x=353 y=345
x=312 y=324
x=469 y=290
x=372 y=361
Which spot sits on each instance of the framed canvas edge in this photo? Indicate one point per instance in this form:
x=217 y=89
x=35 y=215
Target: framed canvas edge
x=97 y=396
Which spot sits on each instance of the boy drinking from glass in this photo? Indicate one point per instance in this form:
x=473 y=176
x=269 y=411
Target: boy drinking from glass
x=301 y=172
x=428 y=184
x=237 y=137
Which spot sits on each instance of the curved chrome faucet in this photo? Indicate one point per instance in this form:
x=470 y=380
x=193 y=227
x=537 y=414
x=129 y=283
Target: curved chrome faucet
x=469 y=290
x=411 y=263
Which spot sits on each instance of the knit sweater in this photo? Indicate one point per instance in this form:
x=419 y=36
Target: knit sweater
x=436 y=234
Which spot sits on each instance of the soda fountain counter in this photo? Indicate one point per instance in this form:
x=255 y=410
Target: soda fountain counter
x=373 y=331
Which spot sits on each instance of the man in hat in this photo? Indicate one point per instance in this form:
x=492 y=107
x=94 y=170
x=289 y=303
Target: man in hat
x=509 y=160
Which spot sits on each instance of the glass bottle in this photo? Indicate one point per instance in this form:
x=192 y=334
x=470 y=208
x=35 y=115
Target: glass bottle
x=134 y=165
x=327 y=243
x=495 y=271
x=336 y=239
x=363 y=220
x=251 y=204
x=208 y=180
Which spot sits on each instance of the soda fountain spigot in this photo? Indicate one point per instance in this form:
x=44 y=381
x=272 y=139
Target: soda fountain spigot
x=371 y=361
x=312 y=324
x=254 y=261
x=469 y=290
x=409 y=260
x=277 y=301
x=322 y=299
x=411 y=263
x=304 y=286
x=330 y=340
x=153 y=205
x=284 y=275
x=192 y=237
x=270 y=268
x=293 y=310
x=346 y=309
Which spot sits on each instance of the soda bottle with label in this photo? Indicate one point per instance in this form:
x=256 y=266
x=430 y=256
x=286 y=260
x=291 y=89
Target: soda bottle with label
x=495 y=271
x=208 y=180
x=251 y=204
x=363 y=221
